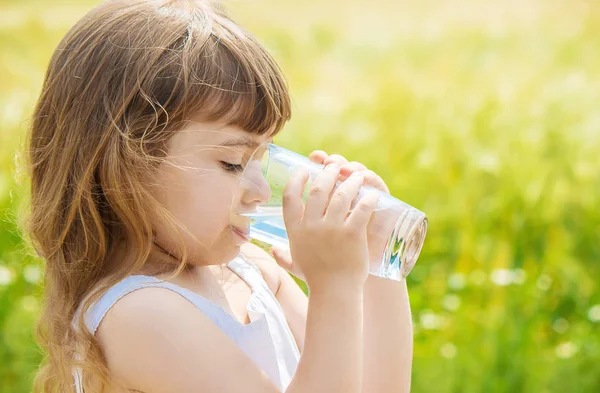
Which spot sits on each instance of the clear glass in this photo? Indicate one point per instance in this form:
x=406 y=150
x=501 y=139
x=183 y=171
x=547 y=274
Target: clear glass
x=396 y=231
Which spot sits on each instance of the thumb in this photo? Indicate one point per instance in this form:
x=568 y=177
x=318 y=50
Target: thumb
x=282 y=257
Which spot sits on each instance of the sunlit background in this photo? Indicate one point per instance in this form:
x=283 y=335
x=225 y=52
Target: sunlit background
x=484 y=114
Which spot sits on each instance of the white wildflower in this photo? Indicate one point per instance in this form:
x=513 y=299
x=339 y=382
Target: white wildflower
x=32 y=274
x=502 y=277
x=451 y=302
x=594 y=313
x=6 y=276
x=566 y=350
x=429 y=320
x=456 y=281
x=448 y=350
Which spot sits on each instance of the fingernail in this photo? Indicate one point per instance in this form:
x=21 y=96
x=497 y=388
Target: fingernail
x=332 y=166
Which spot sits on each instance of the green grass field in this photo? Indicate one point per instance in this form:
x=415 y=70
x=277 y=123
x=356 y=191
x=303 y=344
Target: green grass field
x=484 y=114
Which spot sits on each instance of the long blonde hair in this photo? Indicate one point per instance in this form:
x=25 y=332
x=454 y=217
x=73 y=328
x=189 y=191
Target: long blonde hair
x=123 y=80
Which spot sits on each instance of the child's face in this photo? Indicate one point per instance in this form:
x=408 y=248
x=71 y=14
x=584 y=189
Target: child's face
x=199 y=185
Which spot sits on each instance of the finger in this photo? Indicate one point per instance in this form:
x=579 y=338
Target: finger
x=368 y=180
x=293 y=207
x=361 y=214
x=351 y=167
x=320 y=192
x=282 y=257
x=318 y=156
x=342 y=198
x=371 y=178
x=357 y=166
x=336 y=158
x=374 y=180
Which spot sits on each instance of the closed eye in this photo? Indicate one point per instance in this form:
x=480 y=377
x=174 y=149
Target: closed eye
x=231 y=167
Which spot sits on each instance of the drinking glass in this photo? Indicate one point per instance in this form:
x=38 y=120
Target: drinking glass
x=396 y=230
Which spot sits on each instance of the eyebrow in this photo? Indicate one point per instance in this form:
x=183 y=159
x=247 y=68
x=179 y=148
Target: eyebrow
x=246 y=142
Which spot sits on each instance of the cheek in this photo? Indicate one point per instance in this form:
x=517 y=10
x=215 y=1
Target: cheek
x=203 y=203
x=209 y=208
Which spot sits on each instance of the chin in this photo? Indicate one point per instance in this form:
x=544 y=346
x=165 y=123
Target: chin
x=233 y=253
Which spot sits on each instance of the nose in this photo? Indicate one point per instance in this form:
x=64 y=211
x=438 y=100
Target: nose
x=255 y=189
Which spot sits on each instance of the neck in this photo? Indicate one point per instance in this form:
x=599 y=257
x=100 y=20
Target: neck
x=161 y=263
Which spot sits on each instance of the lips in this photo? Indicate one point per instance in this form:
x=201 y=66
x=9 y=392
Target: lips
x=242 y=232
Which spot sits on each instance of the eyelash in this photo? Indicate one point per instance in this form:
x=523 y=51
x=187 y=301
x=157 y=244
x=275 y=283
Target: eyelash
x=231 y=167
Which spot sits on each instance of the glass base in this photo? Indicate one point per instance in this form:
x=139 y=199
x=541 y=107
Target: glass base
x=401 y=252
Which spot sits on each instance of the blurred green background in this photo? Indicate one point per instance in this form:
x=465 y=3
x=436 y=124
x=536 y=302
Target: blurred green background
x=484 y=114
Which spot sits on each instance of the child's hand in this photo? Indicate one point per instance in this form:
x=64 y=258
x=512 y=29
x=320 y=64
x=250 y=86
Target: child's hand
x=380 y=225
x=347 y=168
x=328 y=238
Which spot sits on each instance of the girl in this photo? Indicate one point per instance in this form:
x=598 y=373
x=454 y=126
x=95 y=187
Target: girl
x=148 y=112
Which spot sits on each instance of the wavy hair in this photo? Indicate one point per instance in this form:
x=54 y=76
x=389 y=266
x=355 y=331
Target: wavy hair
x=125 y=78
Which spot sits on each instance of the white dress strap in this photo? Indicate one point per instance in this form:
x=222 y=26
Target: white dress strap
x=264 y=302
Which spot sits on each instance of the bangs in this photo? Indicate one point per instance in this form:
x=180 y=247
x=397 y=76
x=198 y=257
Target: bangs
x=163 y=63
x=229 y=77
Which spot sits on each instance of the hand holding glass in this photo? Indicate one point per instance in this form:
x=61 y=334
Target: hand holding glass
x=396 y=231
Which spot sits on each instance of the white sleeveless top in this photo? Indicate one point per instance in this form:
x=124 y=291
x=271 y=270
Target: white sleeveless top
x=267 y=339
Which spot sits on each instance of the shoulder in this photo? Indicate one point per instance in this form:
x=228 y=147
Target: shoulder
x=147 y=307
x=269 y=269
x=155 y=340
